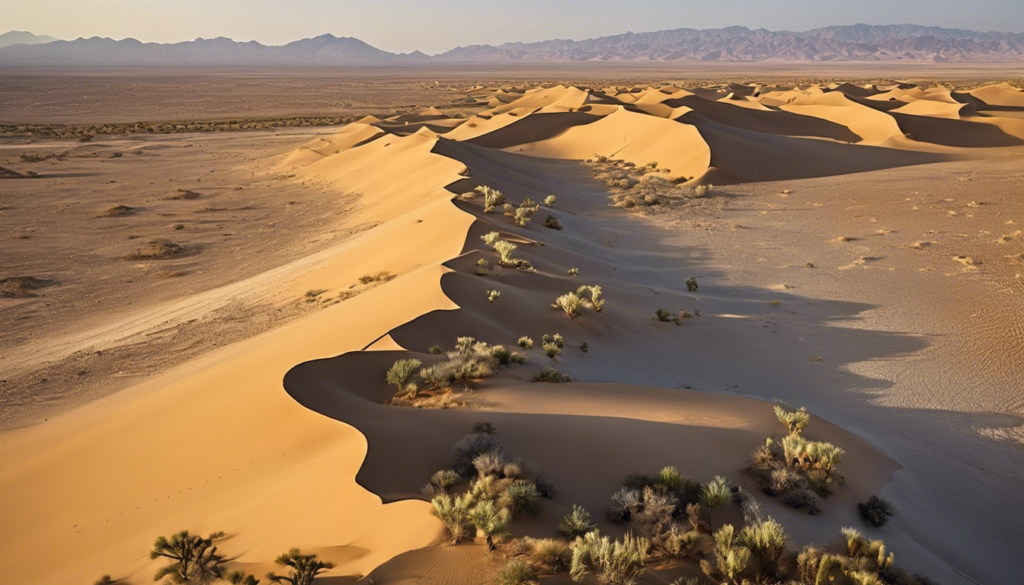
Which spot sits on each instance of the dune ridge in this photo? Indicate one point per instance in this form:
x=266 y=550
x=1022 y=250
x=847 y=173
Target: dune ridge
x=336 y=488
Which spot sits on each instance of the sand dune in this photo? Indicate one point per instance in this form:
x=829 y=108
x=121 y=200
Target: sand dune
x=249 y=439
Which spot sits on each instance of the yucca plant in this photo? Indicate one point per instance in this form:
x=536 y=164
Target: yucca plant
x=453 y=512
x=302 y=569
x=493 y=295
x=794 y=421
x=576 y=523
x=400 y=372
x=807 y=563
x=731 y=558
x=624 y=504
x=767 y=541
x=521 y=497
x=679 y=544
x=490 y=521
x=715 y=493
x=194 y=560
x=525 y=342
x=613 y=562
x=550 y=200
x=571 y=303
x=516 y=572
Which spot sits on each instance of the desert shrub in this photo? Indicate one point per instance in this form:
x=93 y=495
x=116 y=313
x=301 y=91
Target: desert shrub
x=512 y=470
x=613 y=562
x=525 y=342
x=702 y=190
x=549 y=374
x=490 y=463
x=584 y=346
x=571 y=303
x=715 y=493
x=551 y=222
x=624 y=504
x=492 y=197
x=399 y=374
x=521 y=497
x=484 y=427
x=516 y=572
x=679 y=544
x=194 y=560
x=550 y=200
x=505 y=249
x=302 y=569
x=552 y=350
x=491 y=238
x=438 y=375
x=493 y=295
x=666 y=316
x=483 y=267
x=453 y=512
x=595 y=302
x=804 y=500
x=549 y=554
x=767 y=541
x=382 y=276
x=576 y=523
x=500 y=353
x=669 y=478
x=876 y=511
x=558 y=340
x=870 y=553
x=731 y=558
x=794 y=421
x=490 y=521
x=435 y=350
x=808 y=560
x=654 y=518
x=574 y=271
x=691 y=284
x=782 y=480
x=545 y=488
x=525 y=212
x=469 y=447
x=508 y=210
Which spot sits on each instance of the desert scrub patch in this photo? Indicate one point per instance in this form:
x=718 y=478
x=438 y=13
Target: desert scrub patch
x=570 y=303
x=380 y=277
x=552 y=350
x=493 y=295
x=492 y=197
x=876 y=511
x=183 y=194
x=573 y=271
x=525 y=342
x=118 y=211
x=483 y=267
x=550 y=200
x=22 y=287
x=551 y=222
x=551 y=375
x=157 y=250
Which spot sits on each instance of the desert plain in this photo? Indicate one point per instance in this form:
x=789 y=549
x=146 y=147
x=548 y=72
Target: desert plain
x=201 y=298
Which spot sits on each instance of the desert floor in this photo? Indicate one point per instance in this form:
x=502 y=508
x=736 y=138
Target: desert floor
x=861 y=255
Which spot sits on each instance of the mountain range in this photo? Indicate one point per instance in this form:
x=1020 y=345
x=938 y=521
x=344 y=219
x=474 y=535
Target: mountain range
x=860 y=42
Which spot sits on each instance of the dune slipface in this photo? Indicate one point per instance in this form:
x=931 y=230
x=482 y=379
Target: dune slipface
x=287 y=439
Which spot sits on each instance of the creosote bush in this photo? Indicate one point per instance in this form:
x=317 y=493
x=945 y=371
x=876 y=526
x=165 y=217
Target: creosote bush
x=551 y=222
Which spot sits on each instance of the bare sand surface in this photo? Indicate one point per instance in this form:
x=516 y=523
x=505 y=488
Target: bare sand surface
x=861 y=262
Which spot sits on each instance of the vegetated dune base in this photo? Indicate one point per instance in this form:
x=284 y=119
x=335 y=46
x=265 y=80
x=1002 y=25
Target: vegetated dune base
x=884 y=297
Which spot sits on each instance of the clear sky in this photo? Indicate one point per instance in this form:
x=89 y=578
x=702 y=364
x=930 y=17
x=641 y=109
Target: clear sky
x=438 y=25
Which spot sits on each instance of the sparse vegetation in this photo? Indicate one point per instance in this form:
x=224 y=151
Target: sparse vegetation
x=483 y=267
x=492 y=198
x=156 y=250
x=691 y=284
x=516 y=572
x=574 y=271
x=550 y=200
x=551 y=222
x=876 y=511
x=594 y=291
x=552 y=349
x=400 y=373
x=549 y=374
x=194 y=560
x=493 y=295
x=613 y=562
x=525 y=342
x=576 y=523
x=571 y=303
x=302 y=568
x=794 y=421
x=382 y=276
x=453 y=512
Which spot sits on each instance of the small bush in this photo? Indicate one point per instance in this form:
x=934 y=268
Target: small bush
x=503 y=355
x=550 y=200
x=574 y=271
x=545 y=488
x=521 y=498
x=584 y=346
x=516 y=572
x=691 y=284
x=666 y=316
x=435 y=350
x=484 y=427
x=525 y=342
x=551 y=375
x=795 y=421
x=469 y=447
x=804 y=500
x=453 y=513
x=400 y=372
x=552 y=350
x=613 y=562
x=623 y=504
x=491 y=238
x=551 y=222
x=594 y=291
x=445 y=479
x=576 y=523
x=876 y=511
x=483 y=267
x=492 y=198
x=493 y=295
x=571 y=303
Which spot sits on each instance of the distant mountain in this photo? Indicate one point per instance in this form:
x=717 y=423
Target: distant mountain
x=18 y=37
x=860 y=42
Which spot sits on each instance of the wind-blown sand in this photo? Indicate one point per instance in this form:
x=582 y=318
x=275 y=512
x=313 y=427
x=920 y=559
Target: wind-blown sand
x=282 y=440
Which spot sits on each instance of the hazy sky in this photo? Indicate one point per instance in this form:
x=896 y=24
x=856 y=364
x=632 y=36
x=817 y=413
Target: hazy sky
x=438 y=25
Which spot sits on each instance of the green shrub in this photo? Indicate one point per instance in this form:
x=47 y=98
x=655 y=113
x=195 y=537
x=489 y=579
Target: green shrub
x=521 y=497
x=483 y=267
x=551 y=375
x=666 y=316
x=876 y=511
x=795 y=421
x=715 y=493
x=435 y=350
x=302 y=569
x=576 y=523
x=453 y=512
x=490 y=521
x=516 y=572
x=492 y=197
x=491 y=238
x=574 y=271
x=595 y=302
x=400 y=372
x=612 y=562
x=767 y=541
x=193 y=559
x=571 y=303
x=549 y=554
x=504 y=356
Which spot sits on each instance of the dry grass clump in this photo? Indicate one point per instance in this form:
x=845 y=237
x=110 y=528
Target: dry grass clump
x=525 y=342
x=504 y=248
x=156 y=250
x=183 y=194
x=380 y=277
x=516 y=572
x=22 y=287
x=525 y=211
x=550 y=200
x=570 y=303
x=551 y=375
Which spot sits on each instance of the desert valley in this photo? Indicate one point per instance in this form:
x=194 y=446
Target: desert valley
x=525 y=324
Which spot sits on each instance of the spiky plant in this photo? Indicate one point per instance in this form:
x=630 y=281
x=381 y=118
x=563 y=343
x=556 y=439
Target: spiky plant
x=876 y=511
x=194 y=560
x=516 y=572
x=794 y=421
x=453 y=512
x=521 y=497
x=576 y=523
x=571 y=303
x=483 y=267
x=624 y=504
x=490 y=521
x=490 y=463
x=492 y=197
x=679 y=544
x=558 y=340
x=613 y=562
x=435 y=350
x=731 y=558
x=767 y=541
x=524 y=214
x=715 y=493
x=493 y=295
x=505 y=249
x=669 y=478
x=302 y=569
x=525 y=342
x=807 y=562
x=550 y=200
x=549 y=553
x=400 y=372
x=445 y=478
x=552 y=350
x=549 y=374
x=491 y=238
